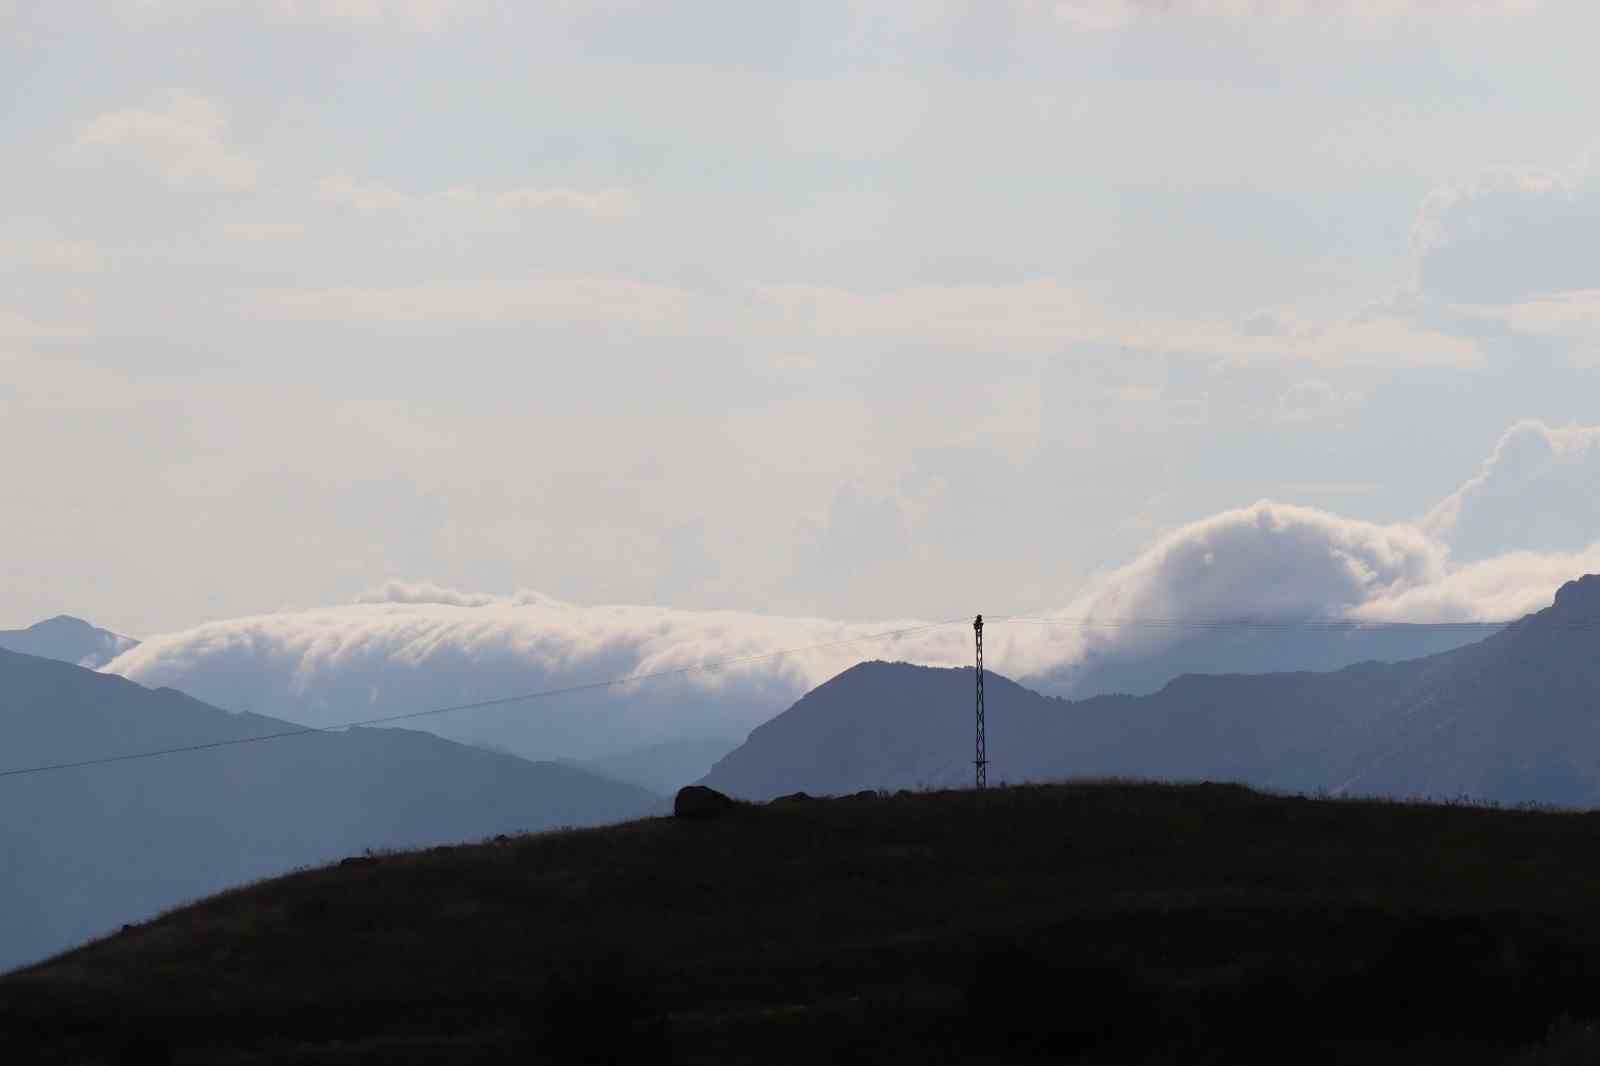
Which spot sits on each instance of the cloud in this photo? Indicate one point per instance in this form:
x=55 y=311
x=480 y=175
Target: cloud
x=50 y=253
x=612 y=303
x=422 y=15
x=1104 y=15
x=1508 y=235
x=263 y=231
x=372 y=198
x=1043 y=314
x=1506 y=586
x=16 y=327
x=411 y=646
x=180 y=138
x=421 y=648
x=1539 y=489
x=1314 y=401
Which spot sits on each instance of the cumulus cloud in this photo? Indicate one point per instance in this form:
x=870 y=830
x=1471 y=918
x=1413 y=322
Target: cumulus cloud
x=1539 y=490
x=409 y=646
x=182 y=137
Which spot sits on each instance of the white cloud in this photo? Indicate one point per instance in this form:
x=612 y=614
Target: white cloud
x=414 y=646
x=441 y=647
x=1044 y=314
x=52 y=253
x=856 y=116
x=1538 y=490
x=373 y=198
x=423 y=15
x=1314 y=401
x=16 y=327
x=1509 y=235
x=1102 y=15
x=1491 y=590
x=182 y=138
x=263 y=231
x=610 y=303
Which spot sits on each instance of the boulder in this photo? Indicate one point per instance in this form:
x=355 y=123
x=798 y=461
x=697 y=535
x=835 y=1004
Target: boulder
x=697 y=801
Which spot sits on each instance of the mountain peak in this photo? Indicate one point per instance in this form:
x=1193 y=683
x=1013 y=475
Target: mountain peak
x=61 y=621
x=1580 y=597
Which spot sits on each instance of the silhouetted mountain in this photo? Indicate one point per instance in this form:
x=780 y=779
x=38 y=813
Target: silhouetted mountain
x=1511 y=718
x=89 y=848
x=69 y=639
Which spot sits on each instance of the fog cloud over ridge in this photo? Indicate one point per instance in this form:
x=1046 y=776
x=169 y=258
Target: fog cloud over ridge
x=408 y=647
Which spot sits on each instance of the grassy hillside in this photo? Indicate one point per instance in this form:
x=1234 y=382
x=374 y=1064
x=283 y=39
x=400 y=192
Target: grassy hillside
x=1106 y=923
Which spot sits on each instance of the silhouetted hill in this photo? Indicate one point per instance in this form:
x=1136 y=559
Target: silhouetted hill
x=87 y=849
x=1510 y=718
x=71 y=640
x=1114 y=925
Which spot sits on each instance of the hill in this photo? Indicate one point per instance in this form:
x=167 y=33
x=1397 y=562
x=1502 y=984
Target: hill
x=1509 y=718
x=88 y=849
x=71 y=640
x=1107 y=924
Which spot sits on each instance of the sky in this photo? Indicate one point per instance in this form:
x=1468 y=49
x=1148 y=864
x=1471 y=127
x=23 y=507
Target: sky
x=838 y=311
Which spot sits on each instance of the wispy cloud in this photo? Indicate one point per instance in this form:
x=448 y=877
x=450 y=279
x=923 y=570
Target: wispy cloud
x=182 y=137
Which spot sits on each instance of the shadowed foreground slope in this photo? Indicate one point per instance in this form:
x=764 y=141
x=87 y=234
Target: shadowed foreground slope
x=1099 y=923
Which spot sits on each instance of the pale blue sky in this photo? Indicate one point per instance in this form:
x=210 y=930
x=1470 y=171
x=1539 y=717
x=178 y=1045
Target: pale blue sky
x=858 y=310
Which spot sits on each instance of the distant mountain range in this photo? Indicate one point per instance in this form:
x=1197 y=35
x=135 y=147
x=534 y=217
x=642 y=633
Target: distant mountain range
x=69 y=639
x=1263 y=649
x=87 y=849
x=1512 y=718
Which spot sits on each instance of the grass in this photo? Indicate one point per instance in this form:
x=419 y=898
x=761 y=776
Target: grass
x=1098 y=923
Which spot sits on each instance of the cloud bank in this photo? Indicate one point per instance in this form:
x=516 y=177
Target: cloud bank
x=409 y=647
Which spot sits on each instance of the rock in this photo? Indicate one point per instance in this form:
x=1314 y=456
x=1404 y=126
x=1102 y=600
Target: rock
x=697 y=801
x=794 y=797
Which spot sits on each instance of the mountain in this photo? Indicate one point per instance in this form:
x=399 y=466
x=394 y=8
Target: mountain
x=1511 y=718
x=89 y=848
x=1138 y=671
x=72 y=640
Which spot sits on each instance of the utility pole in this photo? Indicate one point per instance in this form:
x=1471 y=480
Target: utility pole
x=982 y=759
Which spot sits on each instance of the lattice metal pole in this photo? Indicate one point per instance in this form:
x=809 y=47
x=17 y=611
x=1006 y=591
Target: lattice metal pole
x=981 y=761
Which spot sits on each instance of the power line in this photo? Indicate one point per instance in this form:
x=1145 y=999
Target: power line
x=499 y=701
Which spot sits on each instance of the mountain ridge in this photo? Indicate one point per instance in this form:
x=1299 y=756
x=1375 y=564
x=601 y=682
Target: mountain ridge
x=1502 y=718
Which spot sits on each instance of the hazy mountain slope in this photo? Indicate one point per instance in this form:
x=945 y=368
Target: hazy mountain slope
x=72 y=640
x=1138 y=672
x=87 y=849
x=664 y=767
x=1511 y=718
